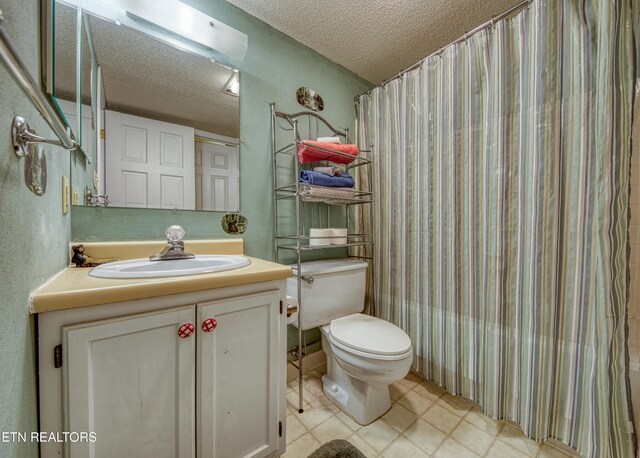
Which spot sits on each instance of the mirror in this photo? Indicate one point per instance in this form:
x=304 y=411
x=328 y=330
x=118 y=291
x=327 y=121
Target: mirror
x=74 y=73
x=162 y=123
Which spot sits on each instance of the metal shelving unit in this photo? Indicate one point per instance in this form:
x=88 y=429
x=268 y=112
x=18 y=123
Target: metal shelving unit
x=288 y=191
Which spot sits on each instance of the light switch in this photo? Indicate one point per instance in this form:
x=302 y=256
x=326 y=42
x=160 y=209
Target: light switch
x=75 y=196
x=65 y=195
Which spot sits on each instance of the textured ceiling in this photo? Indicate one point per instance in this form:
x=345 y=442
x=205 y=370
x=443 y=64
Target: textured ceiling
x=145 y=77
x=374 y=39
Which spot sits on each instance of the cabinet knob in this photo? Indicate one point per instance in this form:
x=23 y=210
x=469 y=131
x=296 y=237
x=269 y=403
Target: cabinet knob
x=186 y=330
x=209 y=324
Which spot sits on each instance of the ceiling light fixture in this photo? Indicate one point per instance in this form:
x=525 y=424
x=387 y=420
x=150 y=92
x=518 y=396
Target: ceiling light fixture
x=185 y=21
x=174 y=22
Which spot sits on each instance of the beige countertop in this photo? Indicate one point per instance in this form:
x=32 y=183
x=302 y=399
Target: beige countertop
x=73 y=287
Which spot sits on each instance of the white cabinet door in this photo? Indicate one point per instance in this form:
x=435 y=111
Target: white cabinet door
x=149 y=164
x=238 y=364
x=131 y=381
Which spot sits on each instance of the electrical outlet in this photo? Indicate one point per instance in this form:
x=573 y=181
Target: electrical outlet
x=65 y=195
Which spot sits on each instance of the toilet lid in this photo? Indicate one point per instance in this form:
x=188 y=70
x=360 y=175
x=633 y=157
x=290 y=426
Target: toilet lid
x=370 y=335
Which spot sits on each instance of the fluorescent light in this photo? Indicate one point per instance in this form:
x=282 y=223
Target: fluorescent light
x=187 y=22
x=174 y=22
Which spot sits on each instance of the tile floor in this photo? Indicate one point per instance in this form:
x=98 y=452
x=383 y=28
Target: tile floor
x=424 y=421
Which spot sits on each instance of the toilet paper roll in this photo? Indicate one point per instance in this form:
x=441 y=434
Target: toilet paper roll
x=339 y=232
x=292 y=315
x=317 y=237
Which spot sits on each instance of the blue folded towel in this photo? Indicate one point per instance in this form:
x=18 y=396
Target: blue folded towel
x=320 y=179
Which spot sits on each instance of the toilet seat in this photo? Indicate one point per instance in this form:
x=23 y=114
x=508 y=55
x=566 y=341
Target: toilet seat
x=370 y=337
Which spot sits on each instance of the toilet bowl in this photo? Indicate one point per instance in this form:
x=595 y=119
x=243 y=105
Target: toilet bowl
x=364 y=354
x=362 y=364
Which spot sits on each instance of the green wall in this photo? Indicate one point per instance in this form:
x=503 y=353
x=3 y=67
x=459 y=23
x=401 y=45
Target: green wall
x=36 y=235
x=274 y=67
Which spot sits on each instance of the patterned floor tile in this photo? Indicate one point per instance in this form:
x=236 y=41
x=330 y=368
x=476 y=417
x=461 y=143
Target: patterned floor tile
x=429 y=390
x=399 y=417
x=347 y=420
x=488 y=425
x=397 y=390
x=378 y=434
x=425 y=436
x=415 y=402
x=441 y=418
x=424 y=421
x=295 y=429
x=362 y=445
x=312 y=417
x=331 y=429
x=501 y=450
x=472 y=437
x=455 y=404
x=452 y=449
x=402 y=448
x=302 y=446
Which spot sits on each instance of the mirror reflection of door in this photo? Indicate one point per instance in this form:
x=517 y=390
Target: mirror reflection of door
x=156 y=82
x=217 y=172
x=149 y=164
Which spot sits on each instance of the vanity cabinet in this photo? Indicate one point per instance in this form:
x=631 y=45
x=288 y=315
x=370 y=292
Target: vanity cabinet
x=198 y=374
x=131 y=380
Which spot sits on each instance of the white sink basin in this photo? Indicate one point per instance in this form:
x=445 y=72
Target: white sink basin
x=144 y=268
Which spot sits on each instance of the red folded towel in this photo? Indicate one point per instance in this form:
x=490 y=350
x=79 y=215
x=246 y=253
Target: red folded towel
x=309 y=151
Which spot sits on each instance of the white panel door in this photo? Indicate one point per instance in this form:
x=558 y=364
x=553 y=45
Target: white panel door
x=131 y=381
x=149 y=163
x=238 y=364
x=217 y=177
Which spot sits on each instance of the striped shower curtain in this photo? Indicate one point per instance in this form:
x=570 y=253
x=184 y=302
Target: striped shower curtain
x=501 y=181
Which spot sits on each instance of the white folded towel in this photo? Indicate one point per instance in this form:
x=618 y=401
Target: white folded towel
x=331 y=171
x=329 y=139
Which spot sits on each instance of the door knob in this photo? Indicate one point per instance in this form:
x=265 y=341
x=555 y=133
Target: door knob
x=209 y=324
x=186 y=330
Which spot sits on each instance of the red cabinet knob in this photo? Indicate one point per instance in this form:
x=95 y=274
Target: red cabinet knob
x=209 y=324
x=186 y=330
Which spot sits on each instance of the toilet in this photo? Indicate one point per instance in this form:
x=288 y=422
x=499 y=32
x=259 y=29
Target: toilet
x=364 y=354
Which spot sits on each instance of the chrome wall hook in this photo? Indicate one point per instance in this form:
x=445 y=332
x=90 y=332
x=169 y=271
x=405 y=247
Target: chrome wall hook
x=22 y=136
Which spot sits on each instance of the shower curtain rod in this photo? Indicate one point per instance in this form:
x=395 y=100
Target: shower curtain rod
x=466 y=35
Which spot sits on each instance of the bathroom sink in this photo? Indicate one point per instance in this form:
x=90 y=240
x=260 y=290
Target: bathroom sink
x=145 y=268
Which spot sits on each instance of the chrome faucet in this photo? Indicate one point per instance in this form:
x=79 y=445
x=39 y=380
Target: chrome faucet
x=175 y=246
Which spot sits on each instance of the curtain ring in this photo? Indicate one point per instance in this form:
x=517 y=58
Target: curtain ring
x=465 y=37
x=493 y=21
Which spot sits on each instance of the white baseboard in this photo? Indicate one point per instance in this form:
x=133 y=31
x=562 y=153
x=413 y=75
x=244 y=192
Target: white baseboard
x=314 y=362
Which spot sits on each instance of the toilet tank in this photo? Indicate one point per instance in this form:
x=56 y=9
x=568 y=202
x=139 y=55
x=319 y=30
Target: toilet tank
x=337 y=290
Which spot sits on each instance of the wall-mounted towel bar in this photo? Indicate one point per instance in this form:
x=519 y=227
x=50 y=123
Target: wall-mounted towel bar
x=20 y=129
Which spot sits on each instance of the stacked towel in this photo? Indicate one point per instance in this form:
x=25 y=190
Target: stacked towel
x=328 y=195
x=309 y=151
x=332 y=171
x=329 y=140
x=320 y=179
